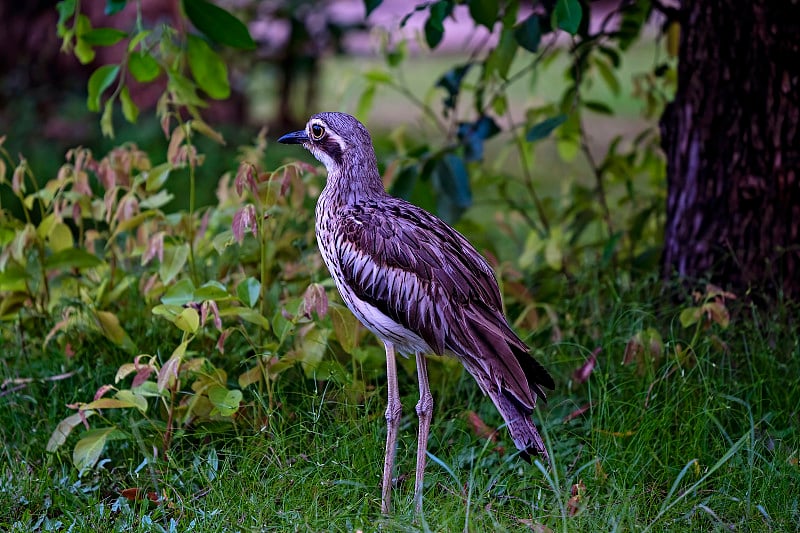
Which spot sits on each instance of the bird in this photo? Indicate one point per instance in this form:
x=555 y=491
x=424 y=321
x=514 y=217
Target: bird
x=420 y=287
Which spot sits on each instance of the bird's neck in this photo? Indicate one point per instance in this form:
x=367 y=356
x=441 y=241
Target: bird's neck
x=351 y=183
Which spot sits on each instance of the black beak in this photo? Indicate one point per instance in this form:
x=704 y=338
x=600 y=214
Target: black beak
x=296 y=137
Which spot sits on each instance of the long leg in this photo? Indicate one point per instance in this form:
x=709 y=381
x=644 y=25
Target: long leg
x=393 y=412
x=425 y=412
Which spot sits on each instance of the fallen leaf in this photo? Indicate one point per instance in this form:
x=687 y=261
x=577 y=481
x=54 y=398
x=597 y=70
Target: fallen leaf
x=582 y=373
x=480 y=428
x=578 y=412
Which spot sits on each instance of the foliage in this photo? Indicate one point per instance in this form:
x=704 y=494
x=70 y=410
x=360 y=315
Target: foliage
x=188 y=61
x=92 y=251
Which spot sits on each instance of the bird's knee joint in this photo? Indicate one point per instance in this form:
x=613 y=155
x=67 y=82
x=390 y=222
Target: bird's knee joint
x=425 y=405
x=393 y=412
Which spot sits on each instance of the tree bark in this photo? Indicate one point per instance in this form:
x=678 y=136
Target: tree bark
x=732 y=142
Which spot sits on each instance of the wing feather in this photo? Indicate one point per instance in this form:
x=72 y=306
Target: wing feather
x=428 y=278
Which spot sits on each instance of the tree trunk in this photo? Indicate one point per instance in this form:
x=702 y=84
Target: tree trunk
x=732 y=140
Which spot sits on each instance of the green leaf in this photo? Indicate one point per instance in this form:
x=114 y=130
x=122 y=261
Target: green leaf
x=553 y=249
x=434 y=26
x=598 y=107
x=345 y=326
x=364 y=104
x=634 y=17
x=211 y=290
x=567 y=148
x=608 y=75
x=218 y=24
x=690 y=316
x=313 y=348
x=72 y=258
x=129 y=109
x=114 y=6
x=528 y=33
x=87 y=451
x=107 y=119
x=544 y=128
x=110 y=326
x=568 y=15
x=246 y=314
x=484 y=12
x=208 y=69
x=501 y=57
x=136 y=400
x=188 y=320
x=100 y=80
x=138 y=38
x=60 y=237
x=66 y=9
x=174 y=259
x=248 y=291
x=226 y=402
x=143 y=66
x=103 y=36
x=371 y=5
x=158 y=200
x=179 y=294
x=14 y=278
x=378 y=76
x=168 y=311
x=84 y=51
x=157 y=176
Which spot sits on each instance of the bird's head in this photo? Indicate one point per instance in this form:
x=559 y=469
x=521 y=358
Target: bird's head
x=337 y=140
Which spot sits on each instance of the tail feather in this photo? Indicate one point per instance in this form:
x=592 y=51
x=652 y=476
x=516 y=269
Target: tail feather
x=507 y=373
x=522 y=429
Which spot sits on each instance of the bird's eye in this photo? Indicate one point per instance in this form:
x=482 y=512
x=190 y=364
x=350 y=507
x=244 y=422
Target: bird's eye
x=317 y=132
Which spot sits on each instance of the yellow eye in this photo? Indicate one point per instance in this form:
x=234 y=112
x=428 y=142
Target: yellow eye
x=317 y=132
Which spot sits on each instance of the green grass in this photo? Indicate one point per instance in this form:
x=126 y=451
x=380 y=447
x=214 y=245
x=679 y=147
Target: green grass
x=703 y=443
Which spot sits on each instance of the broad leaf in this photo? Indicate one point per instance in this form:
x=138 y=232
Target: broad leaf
x=544 y=128
x=208 y=69
x=211 y=290
x=248 y=291
x=528 y=33
x=87 y=451
x=175 y=258
x=434 y=26
x=568 y=15
x=484 y=12
x=103 y=36
x=218 y=24
x=179 y=294
x=143 y=66
x=100 y=80
x=188 y=320
x=225 y=402
x=501 y=57
x=72 y=258
x=129 y=109
x=114 y=6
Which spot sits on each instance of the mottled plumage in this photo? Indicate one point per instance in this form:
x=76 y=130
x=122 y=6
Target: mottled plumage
x=418 y=285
